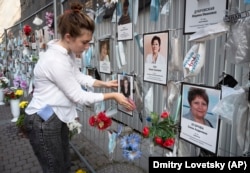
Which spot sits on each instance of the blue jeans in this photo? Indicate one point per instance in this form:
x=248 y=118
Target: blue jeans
x=50 y=142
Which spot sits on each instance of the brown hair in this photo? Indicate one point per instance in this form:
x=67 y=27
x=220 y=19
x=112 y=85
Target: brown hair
x=102 y=43
x=125 y=78
x=157 y=39
x=194 y=92
x=72 y=21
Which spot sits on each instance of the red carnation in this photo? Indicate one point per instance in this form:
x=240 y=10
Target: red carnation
x=92 y=121
x=164 y=114
x=100 y=120
x=158 y=140
x=145 y=131
x=168 y=142
x=27 y=30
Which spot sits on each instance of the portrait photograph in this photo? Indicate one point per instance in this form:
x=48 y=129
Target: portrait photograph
x=199 y=125
x=104 y=56
x=125 y=21
x=125 y=86
x=155 y=56
x=201 y=13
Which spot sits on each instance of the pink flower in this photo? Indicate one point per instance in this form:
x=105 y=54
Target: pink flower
x=49 y=16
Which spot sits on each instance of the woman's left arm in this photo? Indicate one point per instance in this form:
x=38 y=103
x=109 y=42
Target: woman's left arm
x=91 y=82
x=105 y=84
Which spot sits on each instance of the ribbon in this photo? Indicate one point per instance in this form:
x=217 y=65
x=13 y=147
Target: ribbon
x=154 y=10
x=139 y=41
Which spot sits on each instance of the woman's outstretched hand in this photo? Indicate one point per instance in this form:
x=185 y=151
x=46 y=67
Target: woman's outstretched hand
x=111 y=84
x=106 y=84
x=125 y=102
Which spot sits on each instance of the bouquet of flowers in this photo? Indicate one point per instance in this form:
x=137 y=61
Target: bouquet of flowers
x=163 y=129
x=49 y=16
x=4 y=82
x=20 y=83
x=101 y=121
x=22 y=106
x=13 y=93
x=74 y=128
x=17 y=91
x=20 y=120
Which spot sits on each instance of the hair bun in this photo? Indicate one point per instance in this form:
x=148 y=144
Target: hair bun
x=76 y=7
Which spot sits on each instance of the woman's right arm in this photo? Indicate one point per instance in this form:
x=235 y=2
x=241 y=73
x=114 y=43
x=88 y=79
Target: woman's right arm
x=120 y=99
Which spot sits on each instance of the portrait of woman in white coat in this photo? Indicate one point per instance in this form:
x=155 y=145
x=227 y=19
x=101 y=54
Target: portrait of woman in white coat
x=155 y=57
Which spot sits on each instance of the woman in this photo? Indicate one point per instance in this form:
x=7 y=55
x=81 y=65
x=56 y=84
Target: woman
x=155 y=57
x=58 y=89
x=104 y=51
x=198 y=101
x=125 y=87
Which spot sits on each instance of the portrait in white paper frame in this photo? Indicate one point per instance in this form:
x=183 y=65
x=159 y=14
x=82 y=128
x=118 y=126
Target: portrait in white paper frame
x=105 y=56
x=125 y=86
x=199 y=125
x=201 y=13
x=156 y=47
x=125 y=21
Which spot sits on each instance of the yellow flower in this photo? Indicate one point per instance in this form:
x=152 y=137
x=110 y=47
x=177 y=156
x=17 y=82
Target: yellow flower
x=19 y=92
x=80 y=171
x=23 y=104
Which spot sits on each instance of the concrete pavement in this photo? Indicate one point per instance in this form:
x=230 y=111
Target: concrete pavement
x=16 y=154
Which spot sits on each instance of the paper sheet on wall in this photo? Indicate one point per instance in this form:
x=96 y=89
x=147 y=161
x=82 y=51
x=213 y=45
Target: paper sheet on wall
x=117 y=57
x=121 y=53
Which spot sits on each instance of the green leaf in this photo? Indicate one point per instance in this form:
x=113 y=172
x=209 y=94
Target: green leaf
x=154 y=118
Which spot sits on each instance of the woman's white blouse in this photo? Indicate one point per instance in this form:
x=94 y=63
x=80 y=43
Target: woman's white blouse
x=58 y=83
